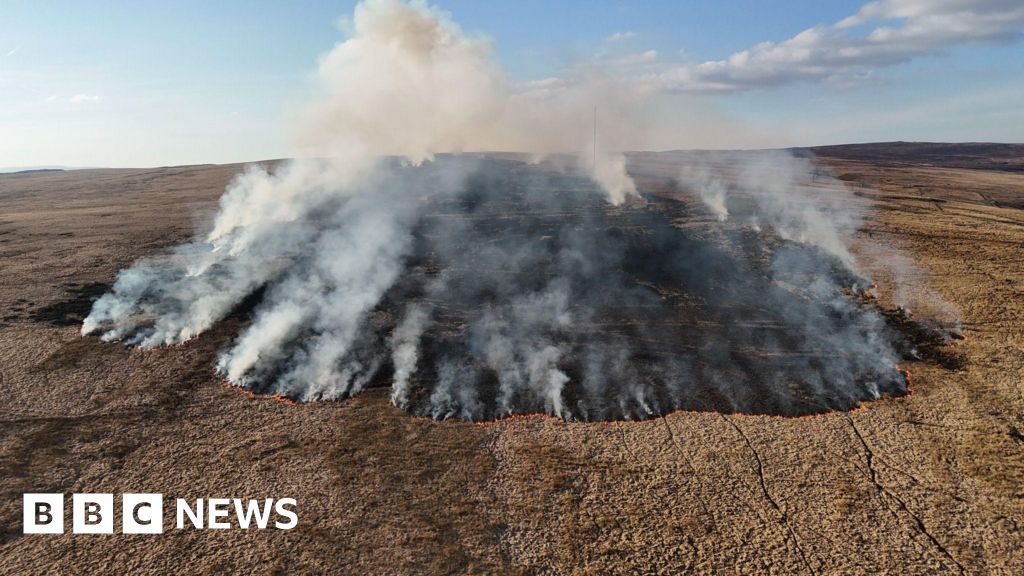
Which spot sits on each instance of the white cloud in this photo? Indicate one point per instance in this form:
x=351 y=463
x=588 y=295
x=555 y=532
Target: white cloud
x=83 y=98
x=903 y=30
x=620 y=36
x=646 y=57
x=543 y=88
x=12 y=52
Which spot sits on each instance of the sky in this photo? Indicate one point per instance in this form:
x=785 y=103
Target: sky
x=141 y=83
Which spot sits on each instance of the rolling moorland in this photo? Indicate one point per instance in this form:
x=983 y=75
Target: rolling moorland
x=931 y=482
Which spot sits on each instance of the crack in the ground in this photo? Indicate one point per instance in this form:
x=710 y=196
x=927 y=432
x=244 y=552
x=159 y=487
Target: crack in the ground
x=675 y=442
x=693 y=469
x=695 y=552
x=629 y=450
x=625 y=444
x=504 y=549
x=783 y=515
x=1012 y=431
x=873 y=475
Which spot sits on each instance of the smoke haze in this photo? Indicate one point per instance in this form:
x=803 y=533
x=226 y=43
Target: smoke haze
x=479 y=286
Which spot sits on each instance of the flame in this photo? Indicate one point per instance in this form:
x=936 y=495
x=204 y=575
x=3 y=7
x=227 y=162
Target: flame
x=250 y=394
x=540 y=416
x=904 y=372
x=283 y=399
x=825 y=413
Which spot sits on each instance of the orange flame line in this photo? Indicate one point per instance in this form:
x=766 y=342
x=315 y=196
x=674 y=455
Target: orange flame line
x=544 y=416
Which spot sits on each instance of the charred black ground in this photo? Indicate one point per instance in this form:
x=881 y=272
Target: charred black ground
x=479 y=287
x=670 y=309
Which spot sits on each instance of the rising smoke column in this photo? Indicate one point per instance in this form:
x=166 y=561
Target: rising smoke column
x=778 y=190
x=338 y=245
x=325 y=237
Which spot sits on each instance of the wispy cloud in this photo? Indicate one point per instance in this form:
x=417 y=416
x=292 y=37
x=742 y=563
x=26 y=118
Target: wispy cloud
x=12 y=52
x=544 y=87
x=83 y=98
x=620 y=36
x=843 y=52
x=638 y=58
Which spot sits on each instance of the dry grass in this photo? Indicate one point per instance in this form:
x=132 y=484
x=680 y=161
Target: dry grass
x=931 y=483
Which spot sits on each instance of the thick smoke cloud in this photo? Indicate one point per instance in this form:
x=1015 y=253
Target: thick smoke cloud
x=409 y=83
x=480 y=286
x=545 y=299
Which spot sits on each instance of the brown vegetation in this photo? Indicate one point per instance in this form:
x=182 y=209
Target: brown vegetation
x=929 y=483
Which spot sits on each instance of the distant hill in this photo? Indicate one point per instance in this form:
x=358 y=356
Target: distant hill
x=17 y=169
x=964 y=155
x=970 y=155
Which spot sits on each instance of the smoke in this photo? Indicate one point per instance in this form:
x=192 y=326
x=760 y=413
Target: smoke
x=483 y=285
x=710 y=188
x=908 y=285
x=408 y=82
x=555 y=302
x=775 y=189
x=802 y=202
x=405 y=351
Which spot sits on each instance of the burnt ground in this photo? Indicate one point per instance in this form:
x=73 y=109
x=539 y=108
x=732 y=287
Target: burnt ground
x=929 y=483
x=692 y=304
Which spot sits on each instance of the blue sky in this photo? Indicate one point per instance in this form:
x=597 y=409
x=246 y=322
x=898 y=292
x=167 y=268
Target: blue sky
x=156 y=83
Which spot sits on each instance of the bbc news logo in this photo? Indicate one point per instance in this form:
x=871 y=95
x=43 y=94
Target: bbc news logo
x=144 y=513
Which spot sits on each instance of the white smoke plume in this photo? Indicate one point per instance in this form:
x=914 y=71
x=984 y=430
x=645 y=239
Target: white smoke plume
x=710 y=187
x=410 y=83
x=776 y=189
x=405 y=343
x=407 y=82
